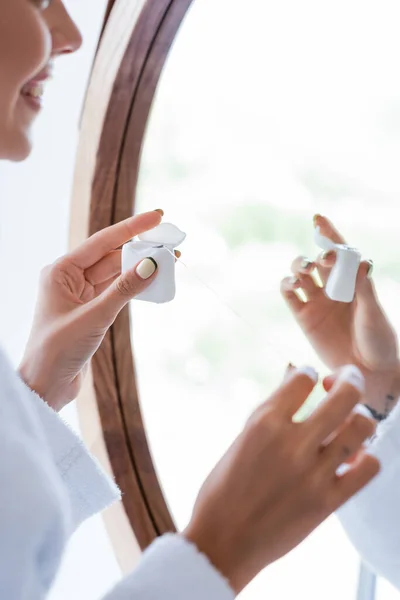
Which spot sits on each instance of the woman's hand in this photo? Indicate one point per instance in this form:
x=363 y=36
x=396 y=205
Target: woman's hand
x=358 y=333
x=279 y=480
x=79 y=298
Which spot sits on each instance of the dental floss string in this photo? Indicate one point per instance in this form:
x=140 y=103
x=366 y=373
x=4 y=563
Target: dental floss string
x=206 y=285
x=252 y=327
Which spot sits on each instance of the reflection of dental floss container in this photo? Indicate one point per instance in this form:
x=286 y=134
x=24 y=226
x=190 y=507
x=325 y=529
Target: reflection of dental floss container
x=341 y=283
x=158 y=243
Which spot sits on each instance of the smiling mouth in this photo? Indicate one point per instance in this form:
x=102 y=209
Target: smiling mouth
x=32 y=93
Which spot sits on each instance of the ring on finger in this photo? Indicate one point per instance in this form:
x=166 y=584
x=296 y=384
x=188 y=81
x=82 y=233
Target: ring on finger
x=306 y=264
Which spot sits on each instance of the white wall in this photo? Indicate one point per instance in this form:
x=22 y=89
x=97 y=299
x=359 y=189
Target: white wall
x=34 y=223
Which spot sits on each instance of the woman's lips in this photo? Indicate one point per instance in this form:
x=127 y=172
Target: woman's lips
x=32 y=92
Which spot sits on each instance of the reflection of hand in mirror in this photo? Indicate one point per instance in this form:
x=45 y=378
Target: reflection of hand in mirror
x=80 y=297
x=279 y=481
x=358 y=333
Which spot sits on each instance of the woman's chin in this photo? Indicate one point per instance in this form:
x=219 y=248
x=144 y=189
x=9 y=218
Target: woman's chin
x=22 y=153
x=15 y=147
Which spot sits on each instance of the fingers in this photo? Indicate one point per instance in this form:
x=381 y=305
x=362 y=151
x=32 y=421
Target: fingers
x=110 y=238
x=303 y=267
x=325 y=262
x=348 y=441
x=365 y=290
x=361 y=472
x=327 y=259
x=338 y=404
x=289 y=370
x=304 y=278
x=328 y=230
x=304 y=270
x=124 y=288
x=294 y=391
x=290 y=288
x=106 y=269
x=364 y=285
x=303 y=286
x=104 y=285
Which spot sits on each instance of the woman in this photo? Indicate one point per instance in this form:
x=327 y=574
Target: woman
x=275 y=484
x=359 y=333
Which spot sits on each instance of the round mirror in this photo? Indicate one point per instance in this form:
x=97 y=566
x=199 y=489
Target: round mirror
x=264 y=115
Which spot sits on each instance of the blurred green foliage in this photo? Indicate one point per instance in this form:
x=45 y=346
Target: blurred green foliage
x=257 y=222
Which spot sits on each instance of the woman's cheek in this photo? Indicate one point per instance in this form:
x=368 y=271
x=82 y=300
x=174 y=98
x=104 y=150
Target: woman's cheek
x=34 y=49
x=25 y=48
x=25 y=42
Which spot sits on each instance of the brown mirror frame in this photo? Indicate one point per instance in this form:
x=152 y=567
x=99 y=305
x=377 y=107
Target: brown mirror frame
x=133 y=48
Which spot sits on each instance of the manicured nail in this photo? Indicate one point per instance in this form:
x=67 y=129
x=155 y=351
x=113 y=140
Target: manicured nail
x=342 y=469
x=316 y=219
x=146 y=268
x=289 y=368
x=352 y=375
x=361 y=409
x=288 y=371
x=159 y=210
x=305 y=264
x=370 y=268
x=309 y=371
x=293 y=281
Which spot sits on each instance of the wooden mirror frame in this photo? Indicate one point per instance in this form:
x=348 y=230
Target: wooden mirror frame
x=135 y=41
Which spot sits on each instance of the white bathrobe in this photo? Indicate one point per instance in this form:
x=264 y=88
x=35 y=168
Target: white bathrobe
x=49 y=484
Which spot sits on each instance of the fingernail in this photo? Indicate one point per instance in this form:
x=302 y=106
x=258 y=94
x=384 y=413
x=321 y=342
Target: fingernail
x=316 y=219
x=361 y=409
x=288 y=371
x=178 y=253
x=309 y=371
x=352 y=375
x=342 y=469
x=370 y=268
x=289 y=368
x=305 y=264
x=159 y=210
x=293 y=281
x=327 y=254
x=146 y=268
